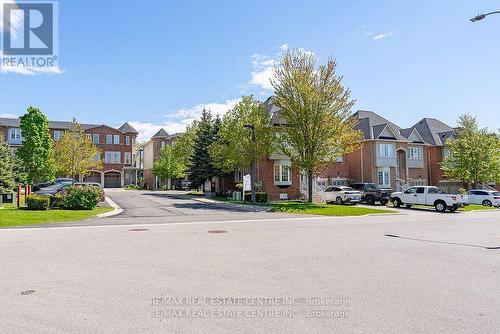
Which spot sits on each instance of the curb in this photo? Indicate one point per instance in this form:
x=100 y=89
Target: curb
x=117 y=210
x=249 y=207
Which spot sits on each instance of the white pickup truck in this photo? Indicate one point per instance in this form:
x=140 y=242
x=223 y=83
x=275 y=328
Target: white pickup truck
x=430 y=196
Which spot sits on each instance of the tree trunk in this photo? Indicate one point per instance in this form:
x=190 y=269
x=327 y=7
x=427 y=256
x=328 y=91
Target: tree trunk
x=310 y=186
x=252 y=180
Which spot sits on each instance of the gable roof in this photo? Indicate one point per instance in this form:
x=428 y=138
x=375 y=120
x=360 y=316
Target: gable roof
x=433 y=131
x=372 y=125
x=161 y=133
x=127 y=128
x=274 y=111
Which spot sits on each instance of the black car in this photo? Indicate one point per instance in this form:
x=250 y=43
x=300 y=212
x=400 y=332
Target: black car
x=371 y=193
x=54 y=189
x=59 y=180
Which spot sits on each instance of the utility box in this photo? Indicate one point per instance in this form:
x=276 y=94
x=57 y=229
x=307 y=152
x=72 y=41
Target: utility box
x=237 y=196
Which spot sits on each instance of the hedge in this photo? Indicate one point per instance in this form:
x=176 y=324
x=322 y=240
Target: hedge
x=37 y=202
x=260 y=197
x=80 y=198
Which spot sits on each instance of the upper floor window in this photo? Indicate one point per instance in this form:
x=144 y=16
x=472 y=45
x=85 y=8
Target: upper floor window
x=97 y=157
x=128 y=157
x=57 y=135
x=109 y=139
x=386 y=150
x=446 y=152
x=95 y=138
x=127 y=140
x=238 y=175
x=116 y=139
x=15 y=133
x=112 y=157
x=415 y=153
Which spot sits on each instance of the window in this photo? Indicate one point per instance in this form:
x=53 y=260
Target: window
x=112 y=157
x=238 y=175
x=415 y=153
x=128 y=158
x=446 y=152
x=97 y=157
x=338 y=182
x=116 y=139
x=283 y=173
x=384 y=177
x=160 y=145
x=95 y=138
x=386 y=150
x=127 y=140
x=433 y=191
x=57 y=135
x=420 y=190
x=15 y=133
x=339 y=159
x=109 y=139
x=411 y=191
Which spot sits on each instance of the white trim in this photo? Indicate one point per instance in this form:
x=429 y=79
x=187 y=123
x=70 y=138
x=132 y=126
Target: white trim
x=390 y=129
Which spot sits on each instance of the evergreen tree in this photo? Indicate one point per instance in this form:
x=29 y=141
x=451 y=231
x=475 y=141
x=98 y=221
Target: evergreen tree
x=7 y=176
x=36 y=151
x=201 y=166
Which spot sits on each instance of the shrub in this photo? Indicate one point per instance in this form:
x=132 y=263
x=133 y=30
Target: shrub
x=260 y=197
x=37 y=202
x=55 y=201
x=132 y=187
x=81 y=198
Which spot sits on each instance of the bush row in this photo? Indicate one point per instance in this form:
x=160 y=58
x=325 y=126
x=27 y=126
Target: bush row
x=260 y=197
x=73 y=198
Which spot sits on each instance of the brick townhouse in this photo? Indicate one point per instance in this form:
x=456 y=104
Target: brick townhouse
x=117 y=148
x=151 y=151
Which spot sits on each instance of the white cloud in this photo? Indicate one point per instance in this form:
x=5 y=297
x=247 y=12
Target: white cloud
x=263 y=68
x=383 y=35
x=26 y=70
x=178 y=121
x=15 y=19
x=8 y=116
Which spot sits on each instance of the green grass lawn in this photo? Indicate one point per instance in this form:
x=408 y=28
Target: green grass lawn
x=324 y=209
x=11 y=216
x=475 y=207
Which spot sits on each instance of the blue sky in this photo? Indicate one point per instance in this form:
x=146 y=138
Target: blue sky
x=156 y=63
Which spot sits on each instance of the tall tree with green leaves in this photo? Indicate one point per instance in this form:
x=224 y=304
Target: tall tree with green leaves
x=36 y=150
x=7 y=177
x=170 y=163
x=235 y=147
x=76 y=153
x=201 y=167
x=474 y=153
x=317 y=110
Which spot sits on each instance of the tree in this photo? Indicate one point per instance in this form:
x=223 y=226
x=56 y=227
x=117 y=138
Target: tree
x=235 y=148
x=36 y=150
x=76 y=153
x=474 y=153
x=7 y=177
x=169 y=164
x=317 y=110
x=200 y=167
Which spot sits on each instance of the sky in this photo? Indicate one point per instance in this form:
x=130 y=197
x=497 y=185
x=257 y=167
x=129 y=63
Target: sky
x=159 y=63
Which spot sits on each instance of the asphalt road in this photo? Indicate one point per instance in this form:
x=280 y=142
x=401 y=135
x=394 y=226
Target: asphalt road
x=415 y=273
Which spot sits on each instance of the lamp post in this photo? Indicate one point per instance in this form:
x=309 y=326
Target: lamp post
x=254 y=160
x=482 y=16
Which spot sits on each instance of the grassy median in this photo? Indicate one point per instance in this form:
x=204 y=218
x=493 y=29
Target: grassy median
x=12 y=216
x=325 y=209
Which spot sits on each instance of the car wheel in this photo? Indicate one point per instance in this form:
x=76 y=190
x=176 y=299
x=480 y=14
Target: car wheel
x=340 y=201
x=383 y=202
x=440 y=206
x=370 y=200
x=408 y=206
x=487 y=202
x=396 y=202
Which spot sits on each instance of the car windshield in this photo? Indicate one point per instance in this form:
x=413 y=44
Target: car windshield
x=496 y=193
x=53 y=187
x=347 y=189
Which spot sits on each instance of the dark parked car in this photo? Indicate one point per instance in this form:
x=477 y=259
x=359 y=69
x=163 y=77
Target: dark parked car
x=371 y=193
x=59 y=180
x=54 y=189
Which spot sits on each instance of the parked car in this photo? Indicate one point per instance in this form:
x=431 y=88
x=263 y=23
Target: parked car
x=371 y=193
x=429 y=196
x=53 y=189
x=185 y=184
x=484 y=197
x=59 y=180
x=341 y=195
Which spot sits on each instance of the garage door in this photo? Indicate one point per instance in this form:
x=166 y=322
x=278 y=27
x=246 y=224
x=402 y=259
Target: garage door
x=112 y=180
